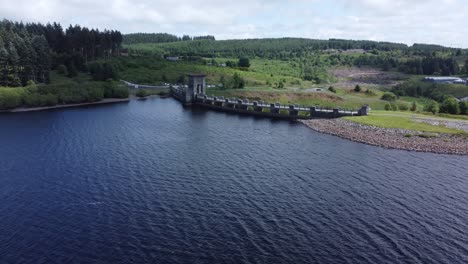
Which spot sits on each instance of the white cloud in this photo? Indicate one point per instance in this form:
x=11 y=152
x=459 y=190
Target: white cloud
x=428 y=21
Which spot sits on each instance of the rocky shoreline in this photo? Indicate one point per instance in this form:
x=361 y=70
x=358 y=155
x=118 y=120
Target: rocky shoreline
x=391 y=138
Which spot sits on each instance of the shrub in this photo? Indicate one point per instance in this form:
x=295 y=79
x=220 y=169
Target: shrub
x=388 y=107
x=463 y=107
x=432 y=107
x=332 y=89
x=428 y=135
x=389 y=97
x=370 y=92
x=62 y=69
x=111 y=90
x=50 y=99
x=451 y=106
x=142 y=93
x=357 y=88
x=394 y=107
x=403 y=106
x=10 y=98
x=414 y=107
x=72 y=71
x=244 y=63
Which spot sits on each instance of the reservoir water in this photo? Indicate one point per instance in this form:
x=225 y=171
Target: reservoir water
x=153 y=182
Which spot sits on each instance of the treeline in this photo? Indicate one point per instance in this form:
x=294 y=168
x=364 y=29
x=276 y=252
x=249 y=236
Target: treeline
x=135 y=38
x=443 y=96
x=284 y=48
x=24 y=55
x=60 y=93
x=29 y=51
x=431 y=66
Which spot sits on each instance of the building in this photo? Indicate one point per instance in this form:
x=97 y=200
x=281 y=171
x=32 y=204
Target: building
x=445 y=79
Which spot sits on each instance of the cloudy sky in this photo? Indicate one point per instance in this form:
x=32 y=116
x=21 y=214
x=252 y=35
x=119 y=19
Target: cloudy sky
x=406 y=21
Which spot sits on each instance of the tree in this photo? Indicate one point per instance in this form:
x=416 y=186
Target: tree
x=357 y=88
x=237 y=81
x=222 y=81
x=244 y=63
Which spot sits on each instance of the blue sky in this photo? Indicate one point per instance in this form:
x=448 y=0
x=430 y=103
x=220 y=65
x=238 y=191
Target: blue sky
x=417 y=21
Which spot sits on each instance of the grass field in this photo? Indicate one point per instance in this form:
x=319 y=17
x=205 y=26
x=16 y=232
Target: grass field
x=402 y=120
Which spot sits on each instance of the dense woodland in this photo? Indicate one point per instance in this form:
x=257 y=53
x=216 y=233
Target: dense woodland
x=159 y=38
x=29 y=51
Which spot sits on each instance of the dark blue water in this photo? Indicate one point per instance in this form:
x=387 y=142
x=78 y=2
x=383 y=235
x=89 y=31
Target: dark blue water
x=152 y=182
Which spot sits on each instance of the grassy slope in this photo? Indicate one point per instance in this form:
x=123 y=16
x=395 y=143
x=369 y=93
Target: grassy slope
x=261 y=79
x=402 y=120
x=150 y=70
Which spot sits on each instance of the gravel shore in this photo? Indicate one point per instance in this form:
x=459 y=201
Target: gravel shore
x=391 y=138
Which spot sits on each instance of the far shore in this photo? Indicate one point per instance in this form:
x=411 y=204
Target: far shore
x=391 y=138
x=60 y=106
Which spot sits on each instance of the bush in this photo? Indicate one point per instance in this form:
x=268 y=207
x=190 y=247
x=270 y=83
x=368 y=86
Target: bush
x=332 y=89
x=10 y=98
x=388 y=107
x=432 y=107
x=244 y=63
x=370 y=92
x=40 y=100
x=414 y=107
x=389 y=97
x=141 y=93
x=450 y=106
x=72 y=71
x=50 y=99
x=111 y=90
x=463 y=107
x=62 y=69
x=403 y=106
x=394 y=107
x=357 y=88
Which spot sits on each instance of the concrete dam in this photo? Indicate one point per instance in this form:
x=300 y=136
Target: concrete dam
x=195 y=94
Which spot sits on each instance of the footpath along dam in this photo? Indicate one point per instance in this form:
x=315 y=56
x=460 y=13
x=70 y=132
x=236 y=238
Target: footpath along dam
x=195 y=94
